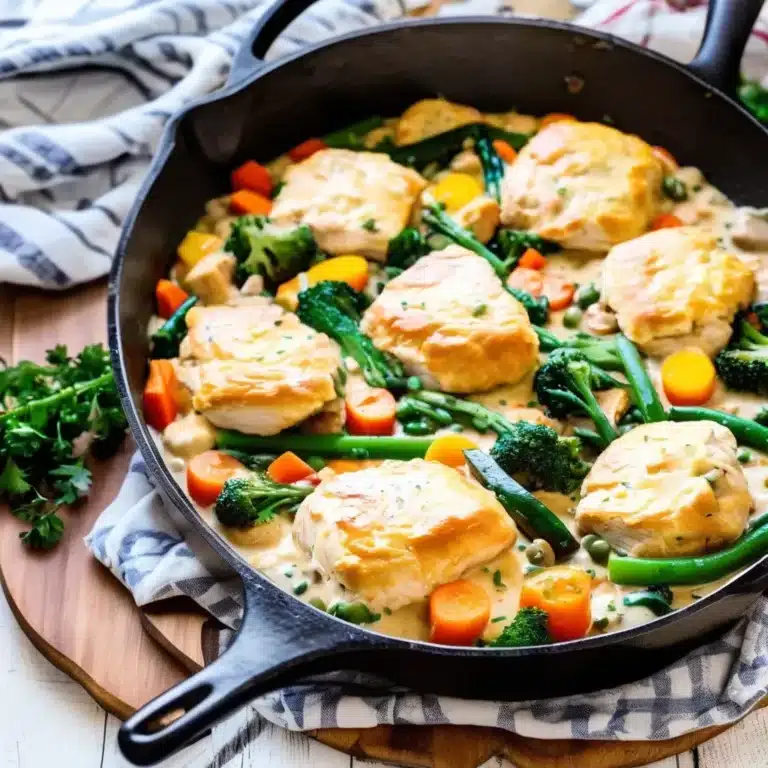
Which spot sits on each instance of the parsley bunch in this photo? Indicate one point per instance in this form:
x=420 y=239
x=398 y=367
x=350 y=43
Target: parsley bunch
x=44 y=410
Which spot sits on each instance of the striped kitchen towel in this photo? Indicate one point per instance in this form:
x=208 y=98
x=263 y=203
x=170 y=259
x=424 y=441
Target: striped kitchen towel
x=75 y=144
x=76 y=140
x=716 y=684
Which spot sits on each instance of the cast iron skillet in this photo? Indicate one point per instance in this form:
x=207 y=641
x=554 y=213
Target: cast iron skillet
x=491 y=63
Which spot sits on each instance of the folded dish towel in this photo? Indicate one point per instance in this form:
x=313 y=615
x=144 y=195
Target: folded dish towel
x=65 y=187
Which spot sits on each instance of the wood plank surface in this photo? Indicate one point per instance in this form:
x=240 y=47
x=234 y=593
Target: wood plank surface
x=63 y=599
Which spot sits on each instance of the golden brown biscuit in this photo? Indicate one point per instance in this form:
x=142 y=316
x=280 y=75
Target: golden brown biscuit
x=393 y=533
x=256 y=368
x=676 y=288
x=449 y=319
x=354 y=202
x=429 y=117
x=583 y=185
x=667 y=489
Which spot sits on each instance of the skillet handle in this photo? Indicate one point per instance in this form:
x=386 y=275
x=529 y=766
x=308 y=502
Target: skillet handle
x=266 y=30
x=279 y=642
x=729 y=24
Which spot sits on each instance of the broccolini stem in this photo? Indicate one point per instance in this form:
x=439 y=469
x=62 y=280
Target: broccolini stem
x=439 y=220
x=332 y=446
x=746 y=431
x=493 y=166
x=645 y=396
x=57 y=397
x=604 y=427
x=690 y=570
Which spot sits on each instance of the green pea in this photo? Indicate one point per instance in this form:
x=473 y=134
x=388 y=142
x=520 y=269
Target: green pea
x=597 y=548
x=354 y=613
x=572 y=317
x=456 y=428
x=587 y=295
x=316 y=602
x=442 y=416
x=316 y=462
x=744 y=456
x=419 y=427
x=674 y=189
x=301 y=588
x=414 y=384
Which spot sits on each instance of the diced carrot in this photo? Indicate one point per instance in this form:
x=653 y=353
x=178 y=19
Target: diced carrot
x=458 y=613
x=244 y=201
x=688 y=377
x=206 y=474
x=289 y=468
x=169 y=297
x=667 y=158
x=532 y=259
x=370 y=412
x=254 y=176
x=505 y=151
x=306 y=149
x=555 y=117
x=449 y=450
x=565 y=594
x=160 y=406
x=559 y=292
x=530 y=280
x=350 y=269
x=665 y=221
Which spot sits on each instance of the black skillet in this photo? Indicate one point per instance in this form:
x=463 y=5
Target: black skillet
x=491 y=63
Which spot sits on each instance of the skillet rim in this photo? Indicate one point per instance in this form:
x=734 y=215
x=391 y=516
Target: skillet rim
x=172 y=490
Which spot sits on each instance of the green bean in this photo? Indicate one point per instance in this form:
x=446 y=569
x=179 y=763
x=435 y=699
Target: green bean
x=691 y=570
x=745 y=431
x=330 y=446
x=645 y=395
x=419 y=427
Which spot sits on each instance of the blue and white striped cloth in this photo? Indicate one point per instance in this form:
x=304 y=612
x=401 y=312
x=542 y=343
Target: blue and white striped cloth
x=74 y=145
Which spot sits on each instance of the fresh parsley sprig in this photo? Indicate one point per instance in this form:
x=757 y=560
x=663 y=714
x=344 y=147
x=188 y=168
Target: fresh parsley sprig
x=51 y=417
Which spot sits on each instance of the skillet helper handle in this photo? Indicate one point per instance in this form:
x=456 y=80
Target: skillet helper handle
x=267 y=29
x=729 y=24
x=276 y=646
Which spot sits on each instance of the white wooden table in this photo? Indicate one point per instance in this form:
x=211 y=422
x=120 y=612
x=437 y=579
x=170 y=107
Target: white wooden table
x=46 y=719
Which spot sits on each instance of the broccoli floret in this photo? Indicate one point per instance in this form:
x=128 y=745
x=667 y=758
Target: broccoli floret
x=565 y=384
x=276 y=253
x=254 y=500
x=406 y=249
x=537 y=309
x=529 y=627
x=743 y=366
x=538 y=458
x=333 y=308
x=511 y=244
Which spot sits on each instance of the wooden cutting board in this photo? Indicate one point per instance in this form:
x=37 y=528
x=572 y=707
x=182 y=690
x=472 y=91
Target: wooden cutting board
x=85 y=623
